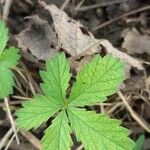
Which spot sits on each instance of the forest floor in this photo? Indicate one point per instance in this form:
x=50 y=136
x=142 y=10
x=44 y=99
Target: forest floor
x=122 y=28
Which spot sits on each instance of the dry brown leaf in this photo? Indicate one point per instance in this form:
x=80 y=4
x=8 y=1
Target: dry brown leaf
x=134 y=42
x=73 y=36
x=128 y=60
x=39 y=38
x=77 y=41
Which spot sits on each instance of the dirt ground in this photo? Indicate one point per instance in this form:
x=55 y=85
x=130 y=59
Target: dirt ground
x=123 y=27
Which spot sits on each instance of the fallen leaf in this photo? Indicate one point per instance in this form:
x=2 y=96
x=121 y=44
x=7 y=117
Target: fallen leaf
x=134 y=42
x=128 y=60
x=39 y=38
x=73 y=36
x=77 y=41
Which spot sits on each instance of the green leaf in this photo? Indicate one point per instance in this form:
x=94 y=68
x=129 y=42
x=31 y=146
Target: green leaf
x=97 y=80
x=98 y=132
x=56 y=78
x=139 y=142
x=35 y=112
x=57 y=136
x=10 y=57
x=6 y=81
x=3 y=36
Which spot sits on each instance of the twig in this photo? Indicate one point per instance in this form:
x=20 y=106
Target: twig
x=20 y=98
x=6 y=9
x=66 y=2
x=114 y=108
x=78 y=7
x=10 y=141
x=6 y=137
x=120 y=17
x=11 y=119
x=31 y=138
x=31 y=80
x=134 y=115
x=103 y=4
x=80 y=147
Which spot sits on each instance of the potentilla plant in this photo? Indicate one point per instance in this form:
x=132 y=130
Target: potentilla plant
x=8 y=60
x=94 y=82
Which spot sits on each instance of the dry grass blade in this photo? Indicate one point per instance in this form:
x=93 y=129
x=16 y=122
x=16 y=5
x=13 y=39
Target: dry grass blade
x=135 y=116
x=64 y=5
x=120 y=17
x=10 y=141
x=31 y=138
x=103 y=4
x=6 y=137
x=11 y=119
x=6 y=9
x=80 y=147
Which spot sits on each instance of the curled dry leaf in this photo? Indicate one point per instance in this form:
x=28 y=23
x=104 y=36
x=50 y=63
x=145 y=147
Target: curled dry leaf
x=123 y=56
x=39 y=38
x=73 y=36
x=134 y=42
x=76 y=40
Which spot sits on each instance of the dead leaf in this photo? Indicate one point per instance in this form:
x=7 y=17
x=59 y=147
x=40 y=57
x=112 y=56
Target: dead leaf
x=77 y=41
x=39 y=38
x=73 y=36
x=134 y=42
x=128 y=60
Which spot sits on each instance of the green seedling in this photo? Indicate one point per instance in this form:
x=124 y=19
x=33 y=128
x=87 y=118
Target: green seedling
x=96 y=80
x=8 y=60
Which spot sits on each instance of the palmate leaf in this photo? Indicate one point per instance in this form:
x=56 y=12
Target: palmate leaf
x=8 y=59
x=97 y=80
x=98 y=132
x=3 y=36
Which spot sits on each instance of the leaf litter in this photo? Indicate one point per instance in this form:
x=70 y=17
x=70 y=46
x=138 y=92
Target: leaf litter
x=135 y=43
x=87 y=56
x=39 y=38
x=44 y=38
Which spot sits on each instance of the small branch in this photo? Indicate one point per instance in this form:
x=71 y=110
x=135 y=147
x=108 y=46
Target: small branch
x=6 y=9
x=6 y=137
x=80 y=147
x=78 y=7
x=31 y=138
x=134 y=115
x=103 y=4
x=10 y=141
x=11 y=119
x=64 y=5
x=120 y=17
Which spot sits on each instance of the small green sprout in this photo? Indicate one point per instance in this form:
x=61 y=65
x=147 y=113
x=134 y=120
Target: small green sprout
x=97 y=80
